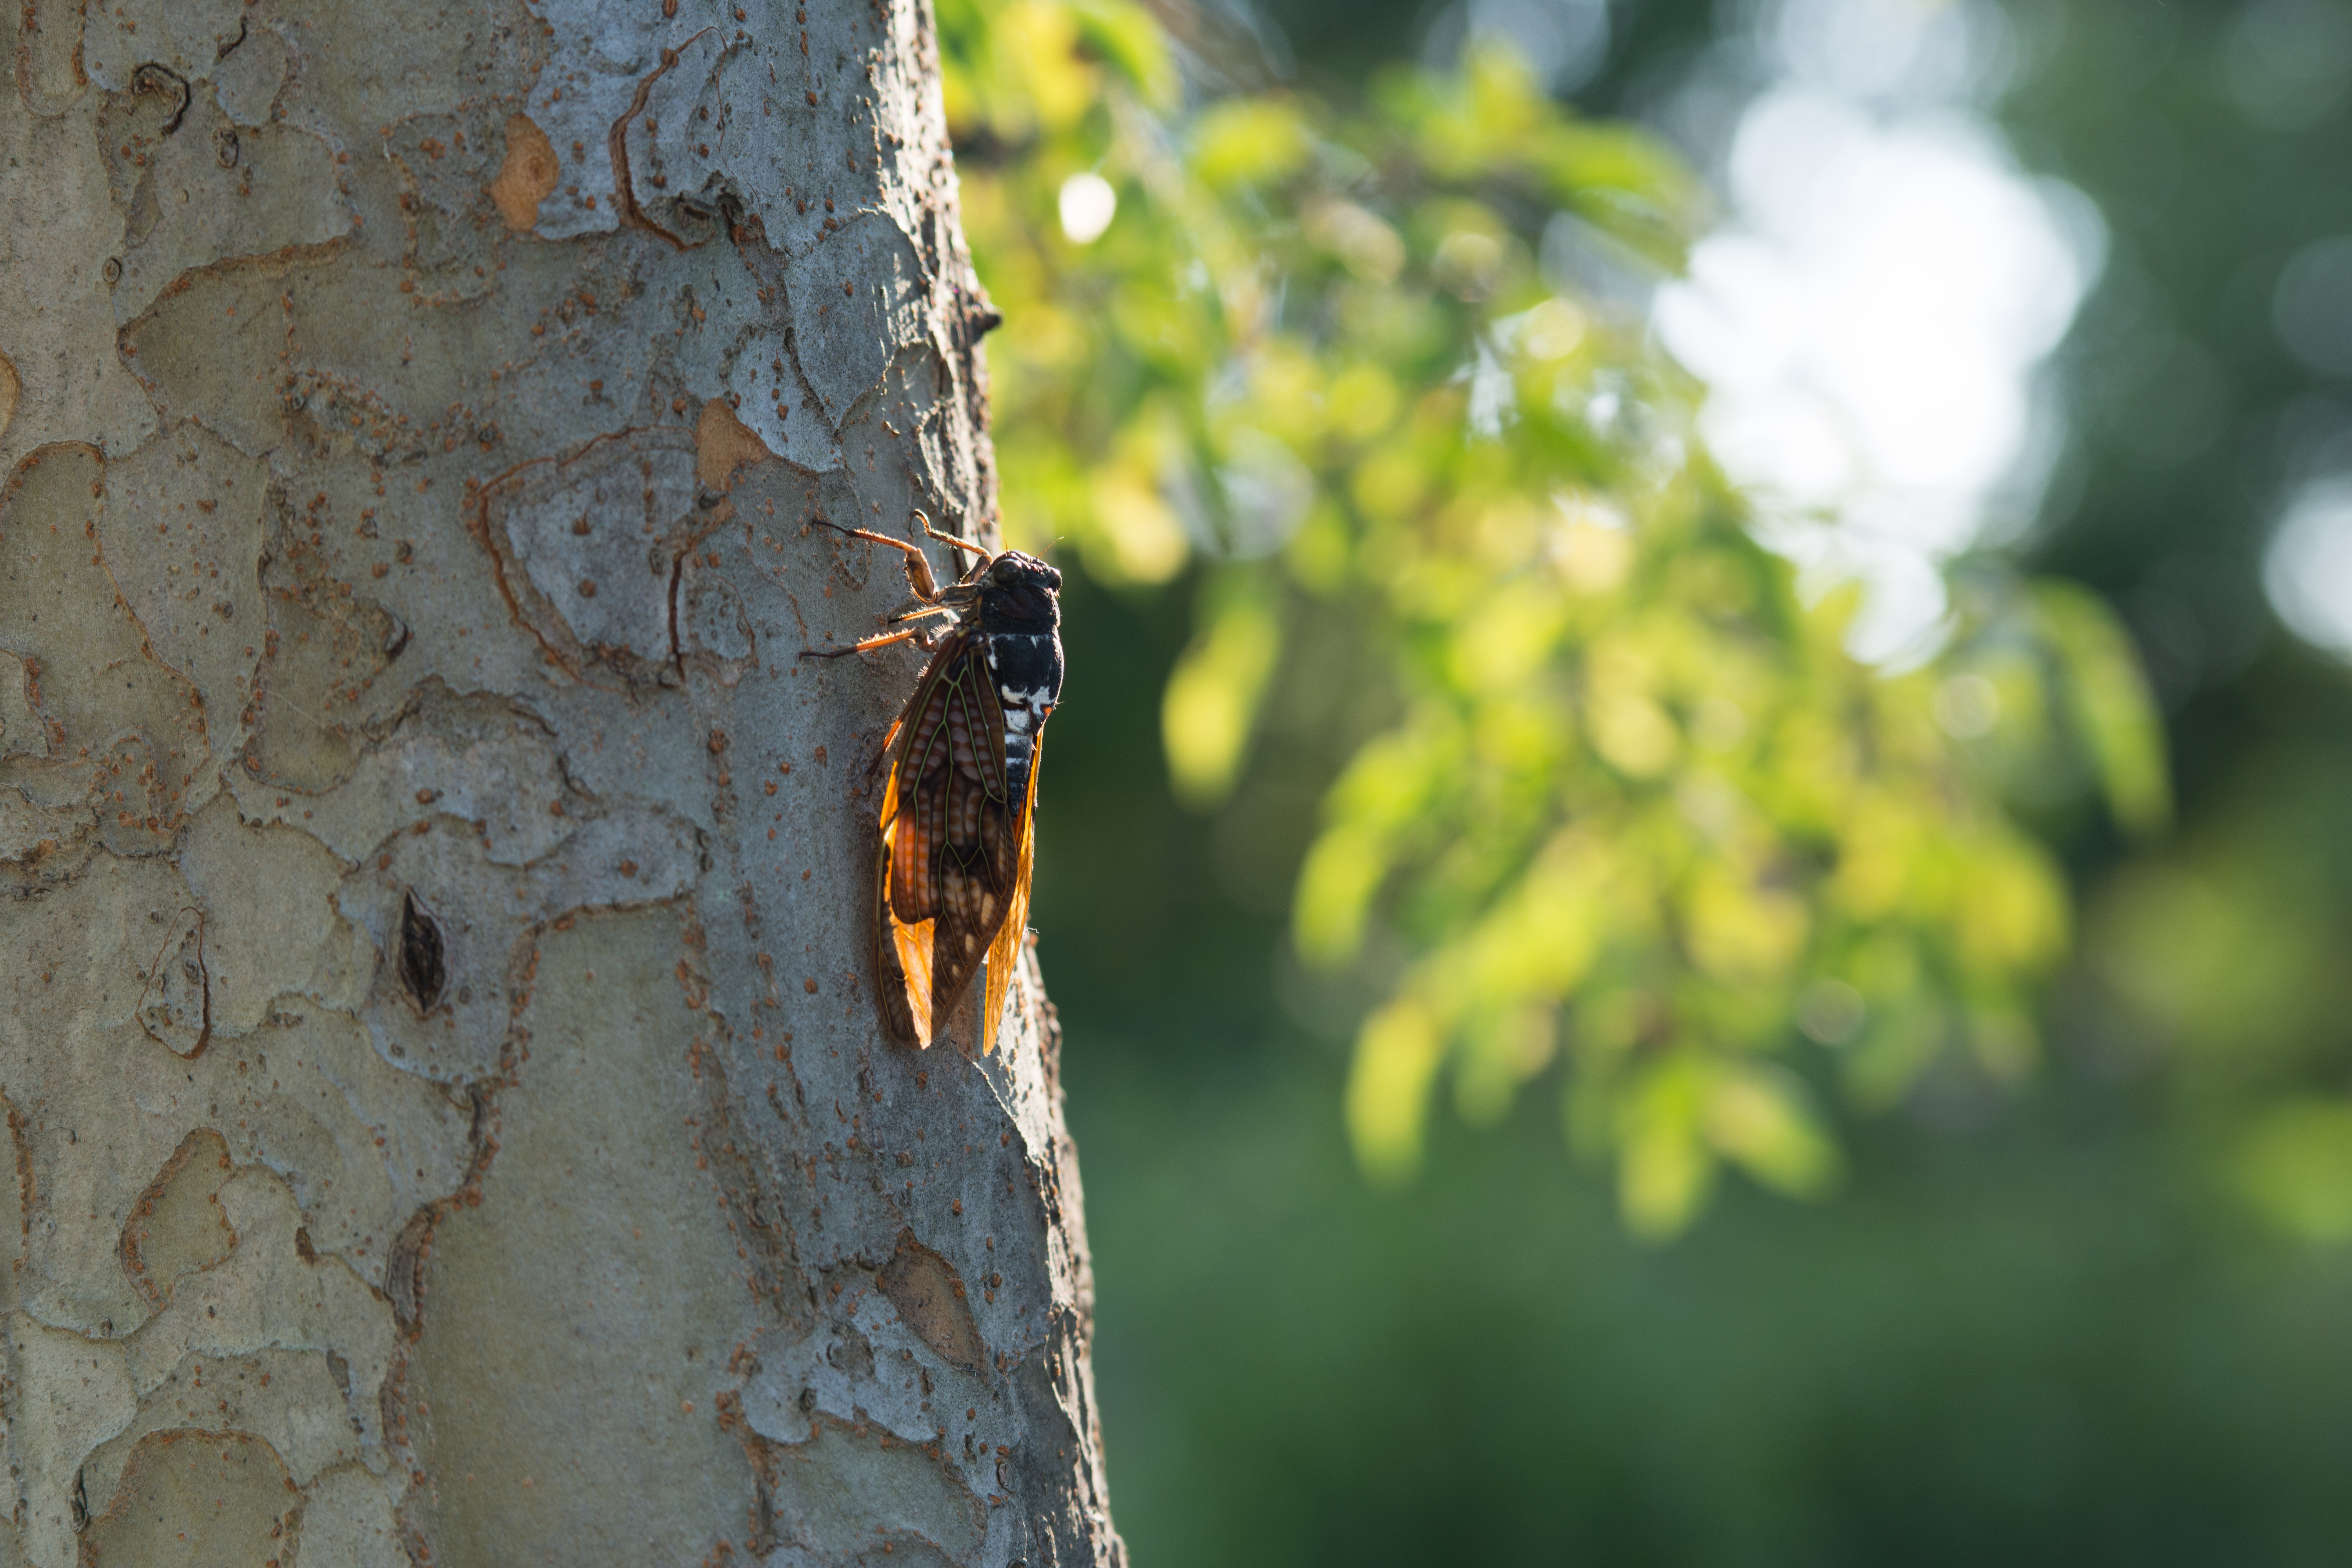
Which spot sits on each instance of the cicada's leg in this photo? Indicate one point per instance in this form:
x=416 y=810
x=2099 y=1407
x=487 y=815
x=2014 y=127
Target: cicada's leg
x=910 y=634
x=949 y=539
x=919 y=566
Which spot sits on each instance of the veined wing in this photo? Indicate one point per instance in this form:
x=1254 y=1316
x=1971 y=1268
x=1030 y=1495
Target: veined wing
x=977 y=862
x=902 y=953
x=949 y=855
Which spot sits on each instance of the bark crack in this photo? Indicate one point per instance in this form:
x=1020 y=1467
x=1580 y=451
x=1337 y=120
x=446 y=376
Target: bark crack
x=624 y=195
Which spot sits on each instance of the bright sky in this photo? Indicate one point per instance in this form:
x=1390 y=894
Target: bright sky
x=1871 y=321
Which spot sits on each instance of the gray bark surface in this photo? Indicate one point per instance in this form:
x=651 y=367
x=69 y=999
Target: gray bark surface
x=450 y=1118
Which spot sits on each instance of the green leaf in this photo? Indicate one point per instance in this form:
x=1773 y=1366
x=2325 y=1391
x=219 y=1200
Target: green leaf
x=1761 y=1119
x=1128 y=37
x=1397 y=1055
x=1212 y=695
x=2111 y=706
x=1247 y=141
x=1665 y=1169
x=1344 y=868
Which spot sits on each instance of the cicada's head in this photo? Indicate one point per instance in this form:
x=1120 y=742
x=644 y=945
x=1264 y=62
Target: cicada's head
x=1018 y=593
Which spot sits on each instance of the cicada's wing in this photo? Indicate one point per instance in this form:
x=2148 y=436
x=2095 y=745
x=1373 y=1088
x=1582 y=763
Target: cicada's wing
x=947 y=864
x=977 y=862
x=902 y=953
x=1005 y=953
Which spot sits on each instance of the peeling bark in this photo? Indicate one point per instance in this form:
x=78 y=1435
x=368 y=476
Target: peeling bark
x=449 y=1117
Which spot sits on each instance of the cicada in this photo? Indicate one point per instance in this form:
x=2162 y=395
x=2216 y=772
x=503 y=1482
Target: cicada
x=951 y=874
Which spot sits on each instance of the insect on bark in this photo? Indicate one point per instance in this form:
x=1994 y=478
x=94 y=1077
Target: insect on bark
x=951 y=875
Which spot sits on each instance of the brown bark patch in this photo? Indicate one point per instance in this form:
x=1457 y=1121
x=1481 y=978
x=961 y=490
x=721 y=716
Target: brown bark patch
x=178 y=1226
x=722 y=444
x=11 y=389
x=198 y=1499
x=528 y=176
x=929 y=1296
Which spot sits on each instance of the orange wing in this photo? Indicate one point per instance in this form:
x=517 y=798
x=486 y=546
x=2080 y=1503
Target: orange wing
x=902 y=953
x=951 y=842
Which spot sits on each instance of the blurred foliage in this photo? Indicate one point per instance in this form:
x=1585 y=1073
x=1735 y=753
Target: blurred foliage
x=2036 y=1327
x=2211 y=138
x=1371 y=380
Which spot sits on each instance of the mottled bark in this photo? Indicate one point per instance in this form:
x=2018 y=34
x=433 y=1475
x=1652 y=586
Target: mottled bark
x=449 y=1115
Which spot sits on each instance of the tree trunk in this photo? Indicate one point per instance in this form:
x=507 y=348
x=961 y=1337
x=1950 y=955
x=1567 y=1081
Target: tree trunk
x=449 y=1116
